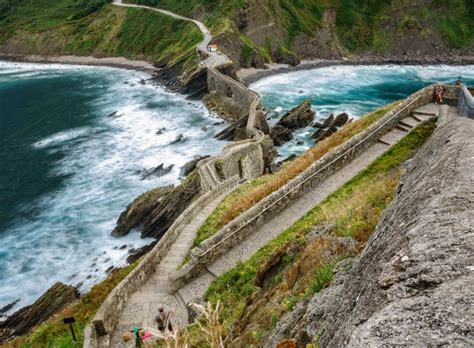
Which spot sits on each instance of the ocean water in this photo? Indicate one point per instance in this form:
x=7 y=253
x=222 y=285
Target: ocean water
x=68 y=168
x=356 y=90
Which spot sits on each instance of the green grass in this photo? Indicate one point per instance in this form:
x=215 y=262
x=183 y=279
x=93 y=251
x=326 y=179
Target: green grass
x=54 y=334
x=359 y=204
x=244 y=195
x=70 y=27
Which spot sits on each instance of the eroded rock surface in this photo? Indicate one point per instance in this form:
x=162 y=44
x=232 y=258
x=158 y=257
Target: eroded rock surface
x=298 y=117
x=52 y=301
x=139 y=209
x=413 y=284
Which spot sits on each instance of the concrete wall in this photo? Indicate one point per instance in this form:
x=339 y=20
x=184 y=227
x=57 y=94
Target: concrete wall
x=466 y=103
x=247 y=222
x=107 y=317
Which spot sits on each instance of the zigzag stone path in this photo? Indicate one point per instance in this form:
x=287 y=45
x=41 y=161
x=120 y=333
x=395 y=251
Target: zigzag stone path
x=143 y=305
x=279 y=223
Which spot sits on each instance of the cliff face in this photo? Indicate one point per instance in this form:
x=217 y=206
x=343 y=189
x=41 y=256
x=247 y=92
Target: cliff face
x=286 y=32
x=413 y=283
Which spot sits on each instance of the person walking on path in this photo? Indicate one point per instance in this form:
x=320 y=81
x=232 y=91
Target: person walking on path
x=163 y=319
x=439 y=93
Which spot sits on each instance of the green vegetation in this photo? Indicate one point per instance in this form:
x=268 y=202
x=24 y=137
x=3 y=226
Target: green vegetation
x=93 y=27
x=247 y=195
x=85 y=27
x=53 y=333
x=352 y=211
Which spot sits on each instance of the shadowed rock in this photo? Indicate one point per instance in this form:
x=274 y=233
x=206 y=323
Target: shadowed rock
x=139 y=209
x=161 y=170
x=52 y=301
x=172 y=205
x=280 y=135
x=191 y=165
x=329 y=126
x=298 y=117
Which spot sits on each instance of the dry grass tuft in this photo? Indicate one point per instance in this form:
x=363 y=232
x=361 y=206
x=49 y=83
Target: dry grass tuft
x=300 y=164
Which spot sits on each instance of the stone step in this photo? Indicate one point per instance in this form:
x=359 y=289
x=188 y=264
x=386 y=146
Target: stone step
x=402 y=128
x=384 y=142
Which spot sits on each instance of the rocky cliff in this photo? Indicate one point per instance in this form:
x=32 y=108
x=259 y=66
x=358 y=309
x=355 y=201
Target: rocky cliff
x=413 y=283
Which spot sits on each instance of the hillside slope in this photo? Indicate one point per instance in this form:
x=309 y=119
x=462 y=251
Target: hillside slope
x=94 y=27
x=256 y=31
x=251 y=32
x=413 y=283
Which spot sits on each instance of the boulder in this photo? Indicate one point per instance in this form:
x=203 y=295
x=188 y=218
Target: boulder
x=158 y=171
x=135 y=254
x=162 y=216
x=329 y=126
x=52 y=301
x=191 y=165
x=280 y=135
x=179 y=139
x=340 y=120
x=298 y=117
x=139 y=209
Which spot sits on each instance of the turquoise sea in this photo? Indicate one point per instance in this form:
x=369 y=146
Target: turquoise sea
x=74 y=140
x=69 y=167
x=352 y=89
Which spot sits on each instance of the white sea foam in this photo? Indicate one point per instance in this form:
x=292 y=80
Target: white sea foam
x=69 y=239
x=352 y=89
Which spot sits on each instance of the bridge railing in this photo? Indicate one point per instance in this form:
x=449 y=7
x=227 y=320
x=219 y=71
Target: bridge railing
x=466 y=103
x=245 y=224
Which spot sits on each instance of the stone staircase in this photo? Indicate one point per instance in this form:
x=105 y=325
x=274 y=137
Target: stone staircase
x=196 y=288
x=142 y=306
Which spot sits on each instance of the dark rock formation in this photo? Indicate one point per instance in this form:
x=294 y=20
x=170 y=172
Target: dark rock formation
x=228 y=133
x=329 y=126
x=160 y=131
x=171 y=206
x=413 y=283
x=298 y=117
x=179 y=139
x=269 y=152
x=139 y=210
x=135 y=254
x=52 y=301
x=191 y=165
x=280 y=135
x=161 y=170
x=6 y=308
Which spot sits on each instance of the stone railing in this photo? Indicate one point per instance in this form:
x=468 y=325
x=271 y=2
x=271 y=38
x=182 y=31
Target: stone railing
x=107 y=317
x=246 y=223
x=243 y=158
x=466 y=103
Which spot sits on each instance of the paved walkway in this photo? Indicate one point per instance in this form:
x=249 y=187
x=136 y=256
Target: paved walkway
x=143 y=305
x=215 y=58
x=302 y=205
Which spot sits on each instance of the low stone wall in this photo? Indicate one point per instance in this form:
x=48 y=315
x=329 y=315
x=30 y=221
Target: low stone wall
x=246 y=223
x=233 y=91
x=466 y=103
x=107 y=317
x=242 y=158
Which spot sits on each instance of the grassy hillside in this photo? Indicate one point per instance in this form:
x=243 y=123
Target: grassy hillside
x=249 y=31
x=299 y=262
x=94 y=27
x=267 y=30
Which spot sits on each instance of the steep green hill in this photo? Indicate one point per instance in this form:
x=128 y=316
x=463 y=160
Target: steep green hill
x=251 y=32
x=93 y=27
x=254 y=31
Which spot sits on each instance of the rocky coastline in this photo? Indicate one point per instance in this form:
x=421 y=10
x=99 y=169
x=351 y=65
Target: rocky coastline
x=249 y=76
